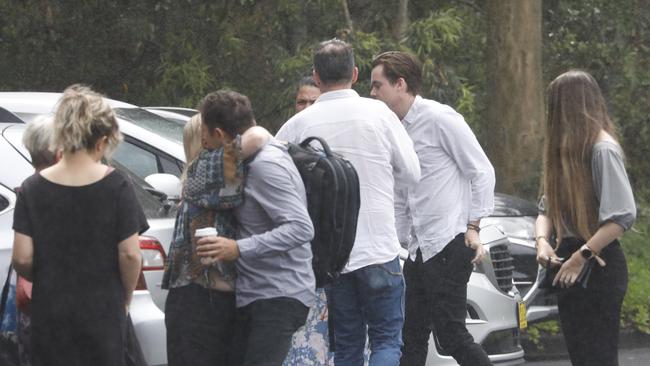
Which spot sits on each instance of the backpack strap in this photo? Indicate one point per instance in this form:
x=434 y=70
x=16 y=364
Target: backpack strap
x=5 y=293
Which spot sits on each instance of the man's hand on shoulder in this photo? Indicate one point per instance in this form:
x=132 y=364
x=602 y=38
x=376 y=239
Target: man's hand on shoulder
x=218 y=247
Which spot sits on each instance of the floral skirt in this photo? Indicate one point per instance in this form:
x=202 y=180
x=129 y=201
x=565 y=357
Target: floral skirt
x=310 y=343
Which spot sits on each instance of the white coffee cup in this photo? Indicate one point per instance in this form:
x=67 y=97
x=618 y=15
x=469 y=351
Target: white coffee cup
x=202 y=233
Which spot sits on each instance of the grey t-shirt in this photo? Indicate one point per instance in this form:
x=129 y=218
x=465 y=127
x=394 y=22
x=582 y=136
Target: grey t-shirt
x=274 y=231
x=611 y=186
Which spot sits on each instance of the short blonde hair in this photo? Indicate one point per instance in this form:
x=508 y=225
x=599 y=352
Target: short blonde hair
x=82 y=118
x=37 y=138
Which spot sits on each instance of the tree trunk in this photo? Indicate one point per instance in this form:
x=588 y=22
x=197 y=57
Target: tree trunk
x=401 y=21
x=346 y=15
x=515 y=94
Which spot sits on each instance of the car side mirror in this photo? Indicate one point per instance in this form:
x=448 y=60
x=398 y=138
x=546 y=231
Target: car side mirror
x=168 y=184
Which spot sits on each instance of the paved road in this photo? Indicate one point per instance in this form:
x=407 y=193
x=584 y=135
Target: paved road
x=626 y=357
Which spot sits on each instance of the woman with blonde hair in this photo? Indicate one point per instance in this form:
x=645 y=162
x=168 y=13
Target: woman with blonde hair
x=586 y=207
x=76 y=229
x=192 y=143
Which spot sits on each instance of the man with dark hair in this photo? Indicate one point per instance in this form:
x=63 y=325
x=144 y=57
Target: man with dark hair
x=307 y=93
x=226 y=111
x=439 y=218
x=366 y=300
x=275 y=282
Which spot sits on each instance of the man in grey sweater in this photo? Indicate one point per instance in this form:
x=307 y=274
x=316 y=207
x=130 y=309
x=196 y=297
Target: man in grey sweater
x=275 y=282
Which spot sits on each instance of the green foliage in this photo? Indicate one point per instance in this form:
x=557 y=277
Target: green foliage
x=174 y=52
x=609 y=40
x=636 y=308
x=537 y=332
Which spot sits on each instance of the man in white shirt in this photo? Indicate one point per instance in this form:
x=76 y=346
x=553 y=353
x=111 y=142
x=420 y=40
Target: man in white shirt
x=367 y=299
x=438 y=218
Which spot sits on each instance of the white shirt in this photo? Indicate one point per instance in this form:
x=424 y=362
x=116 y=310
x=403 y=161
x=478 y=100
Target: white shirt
x=457 y=182
x=371 y=137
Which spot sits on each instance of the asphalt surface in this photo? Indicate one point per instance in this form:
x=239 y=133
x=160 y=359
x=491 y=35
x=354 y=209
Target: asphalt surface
x=626 y=357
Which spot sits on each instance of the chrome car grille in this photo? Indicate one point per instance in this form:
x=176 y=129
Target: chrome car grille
x=503 y=265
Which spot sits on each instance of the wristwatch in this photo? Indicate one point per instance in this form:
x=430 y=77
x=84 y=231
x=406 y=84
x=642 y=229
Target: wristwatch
x=586 y=252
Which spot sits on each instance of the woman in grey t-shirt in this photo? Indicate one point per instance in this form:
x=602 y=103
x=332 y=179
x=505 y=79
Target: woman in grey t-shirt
x=587 y=205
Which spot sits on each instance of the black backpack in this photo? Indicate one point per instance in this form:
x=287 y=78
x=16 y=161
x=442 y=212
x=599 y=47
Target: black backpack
x=333 y=200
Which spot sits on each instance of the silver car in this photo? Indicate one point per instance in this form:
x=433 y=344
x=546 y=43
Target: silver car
x=516 y=218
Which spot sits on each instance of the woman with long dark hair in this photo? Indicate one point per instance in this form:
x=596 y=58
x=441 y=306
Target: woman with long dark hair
x=586 y=207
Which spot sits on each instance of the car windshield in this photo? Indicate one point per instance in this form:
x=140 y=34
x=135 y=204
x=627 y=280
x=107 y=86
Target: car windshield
x=506 y=205
x=154 y=123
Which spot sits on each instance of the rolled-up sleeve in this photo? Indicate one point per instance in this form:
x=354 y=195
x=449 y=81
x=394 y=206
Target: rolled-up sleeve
x=612 y=186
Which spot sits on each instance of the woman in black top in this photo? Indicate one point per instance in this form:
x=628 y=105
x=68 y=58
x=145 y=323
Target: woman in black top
x=76 y=236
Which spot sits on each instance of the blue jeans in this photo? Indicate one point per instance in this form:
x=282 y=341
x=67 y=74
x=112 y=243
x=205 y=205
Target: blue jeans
x=369 y=298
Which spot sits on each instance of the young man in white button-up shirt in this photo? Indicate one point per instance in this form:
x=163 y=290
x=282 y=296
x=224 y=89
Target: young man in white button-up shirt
x=367 y=299
x=438 y=218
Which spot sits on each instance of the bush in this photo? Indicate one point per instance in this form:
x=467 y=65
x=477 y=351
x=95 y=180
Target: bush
x=636 y=308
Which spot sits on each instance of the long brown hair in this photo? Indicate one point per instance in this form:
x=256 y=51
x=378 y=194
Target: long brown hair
x=576 y=115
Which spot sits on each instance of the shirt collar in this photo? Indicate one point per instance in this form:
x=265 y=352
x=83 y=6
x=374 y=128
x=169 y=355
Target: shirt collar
x=413 y=111
x=338 y=94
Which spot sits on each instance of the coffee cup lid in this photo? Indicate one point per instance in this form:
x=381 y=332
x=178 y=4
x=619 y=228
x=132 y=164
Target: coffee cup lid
x=206 y=231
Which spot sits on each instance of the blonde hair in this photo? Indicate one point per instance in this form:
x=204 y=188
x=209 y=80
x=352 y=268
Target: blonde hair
x=82 y=118
x=192 y=143
x=192 y=138
x=37 y=138
x=576 y=115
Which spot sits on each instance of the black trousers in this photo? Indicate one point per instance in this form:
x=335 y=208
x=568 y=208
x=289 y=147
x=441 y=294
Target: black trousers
x=590 y=317
x=264 y=329
x=436 y=300
x=200 y=326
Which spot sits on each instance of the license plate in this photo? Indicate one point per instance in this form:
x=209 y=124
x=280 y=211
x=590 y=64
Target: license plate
x=521 y=315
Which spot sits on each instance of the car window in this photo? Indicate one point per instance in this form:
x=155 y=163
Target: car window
x=4 y=203
x=154 y=123
x=136 y=159
x=169 y=166
x=6 y=116
x=27 y=117
x=152 y=207
x=506 y=205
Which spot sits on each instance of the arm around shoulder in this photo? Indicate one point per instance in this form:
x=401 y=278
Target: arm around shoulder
x=276 y=193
